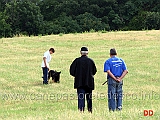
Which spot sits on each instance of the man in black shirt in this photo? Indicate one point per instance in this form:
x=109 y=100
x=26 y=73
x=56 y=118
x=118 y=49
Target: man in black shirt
x=83 y=70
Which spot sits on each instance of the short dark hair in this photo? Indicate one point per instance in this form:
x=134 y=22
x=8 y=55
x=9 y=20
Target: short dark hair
x=52 y=49
x=113 y=51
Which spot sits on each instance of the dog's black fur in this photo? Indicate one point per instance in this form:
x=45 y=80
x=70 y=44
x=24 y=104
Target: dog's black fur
x=55 y=76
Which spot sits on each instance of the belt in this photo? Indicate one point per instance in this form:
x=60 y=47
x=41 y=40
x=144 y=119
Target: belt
x=117 y=76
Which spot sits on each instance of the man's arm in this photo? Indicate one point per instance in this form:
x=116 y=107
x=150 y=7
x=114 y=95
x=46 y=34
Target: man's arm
x=111 y=75
x=122 y=76
x=73 y=68
x=94 y=69
x=44 y=59
x=45 y=63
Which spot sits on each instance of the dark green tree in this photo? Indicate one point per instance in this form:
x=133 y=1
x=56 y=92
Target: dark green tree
x=63 y=24
x=127 y=11
x=33 y=17
x=5 y=29
x=87 y=21
x=47 y=8
x=115 y=22
x=69 y=7
x=137 y=22
x=67 y=22
x=148 y=5
x=24 y=17
x=145 y=20
x=3 y=4
x=152 y=20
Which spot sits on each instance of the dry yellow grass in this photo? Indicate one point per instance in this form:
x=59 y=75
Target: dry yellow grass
x=20 y=76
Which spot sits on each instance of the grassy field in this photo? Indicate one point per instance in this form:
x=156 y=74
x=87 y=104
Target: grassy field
x=22 y=95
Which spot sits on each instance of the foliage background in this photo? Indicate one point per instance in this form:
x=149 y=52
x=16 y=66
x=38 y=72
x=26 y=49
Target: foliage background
x=45 y=17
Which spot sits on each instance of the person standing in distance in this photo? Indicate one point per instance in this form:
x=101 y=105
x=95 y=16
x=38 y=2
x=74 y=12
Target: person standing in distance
x=116 y=70
x=45 y=64
x=83 y=70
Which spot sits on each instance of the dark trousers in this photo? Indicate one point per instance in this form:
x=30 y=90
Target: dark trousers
x=82 y=93
x=45 y=75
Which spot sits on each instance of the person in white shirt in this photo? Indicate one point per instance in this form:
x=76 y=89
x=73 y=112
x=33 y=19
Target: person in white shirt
x=45 y=64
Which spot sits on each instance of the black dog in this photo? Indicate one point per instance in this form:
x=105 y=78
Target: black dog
x=55 y=76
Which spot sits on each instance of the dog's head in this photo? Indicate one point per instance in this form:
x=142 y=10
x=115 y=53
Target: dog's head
x=55 y=75
x=51 y=73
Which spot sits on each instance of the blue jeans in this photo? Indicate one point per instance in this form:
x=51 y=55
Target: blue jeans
x=114 y=95
x=82 y=92
x=45 y=75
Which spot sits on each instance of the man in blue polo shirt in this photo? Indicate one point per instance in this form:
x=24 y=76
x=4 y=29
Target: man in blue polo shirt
x=116 y=70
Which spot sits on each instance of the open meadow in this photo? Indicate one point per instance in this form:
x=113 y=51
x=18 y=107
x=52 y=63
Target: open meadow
x=23 y=96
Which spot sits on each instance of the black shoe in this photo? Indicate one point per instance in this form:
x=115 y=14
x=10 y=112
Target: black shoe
x=90 y=110
x=110 y=110
x=45 y=82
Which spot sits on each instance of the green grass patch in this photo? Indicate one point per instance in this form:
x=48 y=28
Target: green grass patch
x=22 y=95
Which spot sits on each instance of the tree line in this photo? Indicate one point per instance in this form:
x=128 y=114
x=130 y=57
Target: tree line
x=45 y=17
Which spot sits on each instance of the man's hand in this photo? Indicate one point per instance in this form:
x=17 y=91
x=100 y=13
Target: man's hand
x=111 y=75
x=118 y=79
